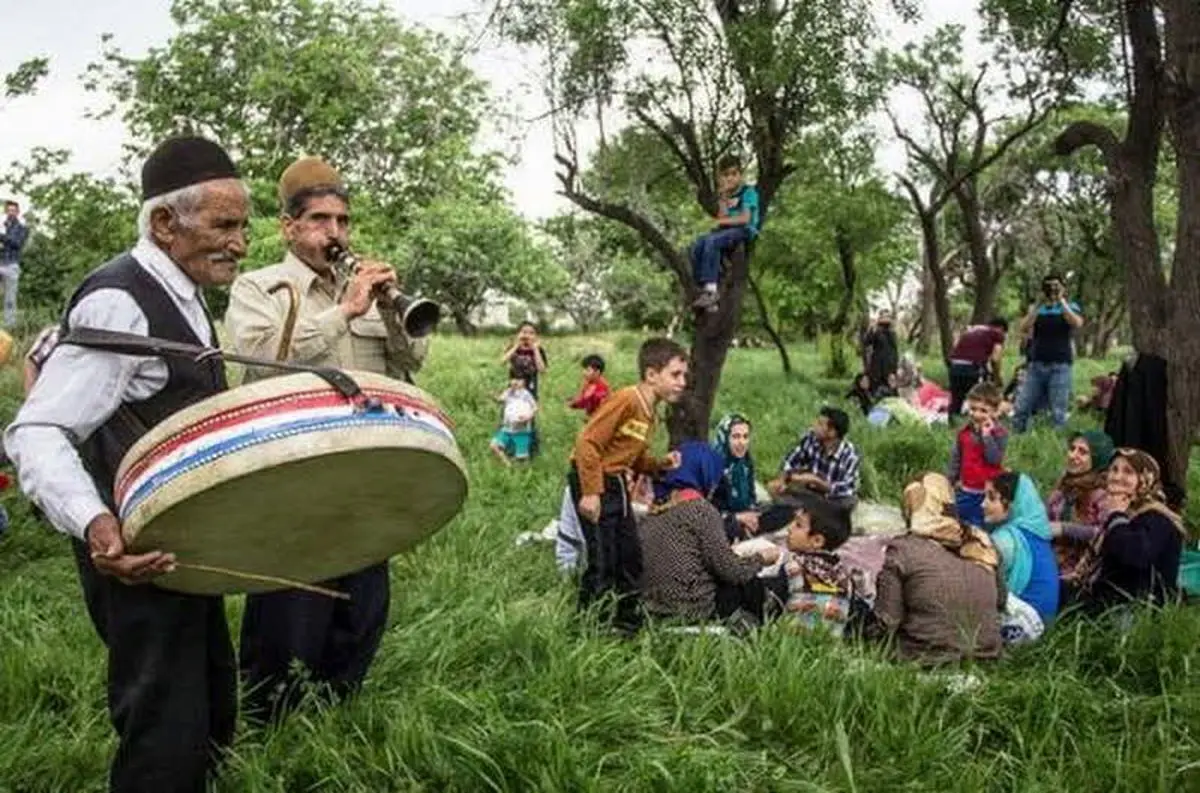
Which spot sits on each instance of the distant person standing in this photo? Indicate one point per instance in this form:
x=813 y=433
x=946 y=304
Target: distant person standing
x=881 y=350
x=11 y=242
x=1053 y=323
x=976 y=358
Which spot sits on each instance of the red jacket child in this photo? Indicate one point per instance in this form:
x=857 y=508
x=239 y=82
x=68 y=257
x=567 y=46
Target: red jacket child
x=594 y=389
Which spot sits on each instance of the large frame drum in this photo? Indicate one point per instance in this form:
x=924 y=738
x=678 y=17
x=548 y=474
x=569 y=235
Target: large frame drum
x=288 y=478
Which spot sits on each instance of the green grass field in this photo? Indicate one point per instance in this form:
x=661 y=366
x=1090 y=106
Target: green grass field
x=485 y=682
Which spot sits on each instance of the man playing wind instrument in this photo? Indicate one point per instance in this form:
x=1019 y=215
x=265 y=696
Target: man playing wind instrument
x=339 y=323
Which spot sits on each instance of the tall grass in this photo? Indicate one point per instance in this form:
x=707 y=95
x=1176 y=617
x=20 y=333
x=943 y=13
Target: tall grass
x=486 y=682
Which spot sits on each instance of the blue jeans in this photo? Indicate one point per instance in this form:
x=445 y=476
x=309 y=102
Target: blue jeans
x=707 y=251
x=10 y=274
x=1045 y=383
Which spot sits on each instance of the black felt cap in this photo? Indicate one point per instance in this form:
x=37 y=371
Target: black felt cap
x=181 y=162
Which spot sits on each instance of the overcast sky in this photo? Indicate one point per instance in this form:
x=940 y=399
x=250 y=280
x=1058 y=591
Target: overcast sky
x=68 y=32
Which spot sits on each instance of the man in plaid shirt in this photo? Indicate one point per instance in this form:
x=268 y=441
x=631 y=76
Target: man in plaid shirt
x=824 y=465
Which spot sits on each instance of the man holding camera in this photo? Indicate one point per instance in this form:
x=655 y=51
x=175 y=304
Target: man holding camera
x=1052 y=323
x=340 y=323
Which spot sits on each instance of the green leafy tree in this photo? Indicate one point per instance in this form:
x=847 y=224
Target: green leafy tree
x=961 y=137
x=78 y=221
x=1059 y=221
x=1159 y=44
x=577 y=246
x=23 y=80
x=459 y=252
x=732 y=76
x=832 y=232
x=395 y=109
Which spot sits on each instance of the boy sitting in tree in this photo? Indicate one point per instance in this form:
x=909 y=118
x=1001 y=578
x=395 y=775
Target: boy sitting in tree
x=737 y=223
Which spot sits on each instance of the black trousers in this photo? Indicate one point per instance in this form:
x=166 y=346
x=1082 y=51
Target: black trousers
x=614 y=555
x=172 y=681
x=762 y=598
x=963 y=378
x=335 y=640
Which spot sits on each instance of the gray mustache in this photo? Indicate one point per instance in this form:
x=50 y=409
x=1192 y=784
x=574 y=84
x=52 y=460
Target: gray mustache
x=222 y=258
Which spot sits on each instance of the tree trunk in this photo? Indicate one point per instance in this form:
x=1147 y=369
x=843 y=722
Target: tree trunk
x=982 y=272
x=768 y=328
x=1182 y=342
x=713 y=334
x=928 y=318
x=935 y=271
x=837 y=329
x=463 y=322
x=1163 y=315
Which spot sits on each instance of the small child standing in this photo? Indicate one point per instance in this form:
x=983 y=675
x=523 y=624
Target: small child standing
x=978 y=453
x=615 y=441
x=513 y=439
x=594 y=388
x=737 y=223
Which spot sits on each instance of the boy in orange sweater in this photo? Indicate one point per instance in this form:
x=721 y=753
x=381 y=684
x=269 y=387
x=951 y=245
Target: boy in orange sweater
x=615 y=440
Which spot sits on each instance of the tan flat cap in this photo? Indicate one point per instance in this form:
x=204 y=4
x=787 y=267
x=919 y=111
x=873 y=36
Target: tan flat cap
x=305 y=174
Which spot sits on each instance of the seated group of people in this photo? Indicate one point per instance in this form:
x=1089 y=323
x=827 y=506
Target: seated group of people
x=906 y=397
x=717 y=546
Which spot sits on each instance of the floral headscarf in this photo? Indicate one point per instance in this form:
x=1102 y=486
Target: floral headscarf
x=739 y=471
x=926 y=501
x=1149 y=496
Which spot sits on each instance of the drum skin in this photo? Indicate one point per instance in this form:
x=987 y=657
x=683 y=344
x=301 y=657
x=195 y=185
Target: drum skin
x=287 y=478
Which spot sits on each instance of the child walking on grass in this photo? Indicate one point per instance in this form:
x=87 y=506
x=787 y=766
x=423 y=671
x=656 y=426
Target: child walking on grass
x=615 y=441
x=512 y=441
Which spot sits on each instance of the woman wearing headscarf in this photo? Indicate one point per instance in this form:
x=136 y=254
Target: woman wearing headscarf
x=1078 y=505
x=735 y=496
x=1136 y=556
x=1020 y=531
x=688 y=569
x=939 y=595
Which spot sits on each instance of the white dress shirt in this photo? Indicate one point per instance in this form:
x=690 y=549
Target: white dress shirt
x=79 y=389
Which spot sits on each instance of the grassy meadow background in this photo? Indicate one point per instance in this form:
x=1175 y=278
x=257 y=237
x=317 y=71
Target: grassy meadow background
x=485 y=682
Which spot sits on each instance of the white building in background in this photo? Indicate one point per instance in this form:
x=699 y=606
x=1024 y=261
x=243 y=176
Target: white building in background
x=504 y=311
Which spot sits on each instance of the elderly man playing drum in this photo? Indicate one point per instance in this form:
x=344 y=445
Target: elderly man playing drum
x=304 y=310
x=172 y=679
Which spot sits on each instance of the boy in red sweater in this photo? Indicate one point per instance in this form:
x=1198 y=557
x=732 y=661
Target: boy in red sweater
x=978 y=453
x=594 y=389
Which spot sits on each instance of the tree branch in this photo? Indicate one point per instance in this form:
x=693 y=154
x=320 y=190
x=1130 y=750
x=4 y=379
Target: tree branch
x=650 y=233
x=1146 y=115
x=1088 y=133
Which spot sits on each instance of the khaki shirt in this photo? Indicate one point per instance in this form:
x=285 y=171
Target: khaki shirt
x=255 y=320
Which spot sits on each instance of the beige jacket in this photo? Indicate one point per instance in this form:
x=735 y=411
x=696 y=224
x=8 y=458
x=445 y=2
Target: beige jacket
x=255 y=319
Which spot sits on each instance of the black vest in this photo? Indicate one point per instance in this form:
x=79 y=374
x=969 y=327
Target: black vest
x=188 y=382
